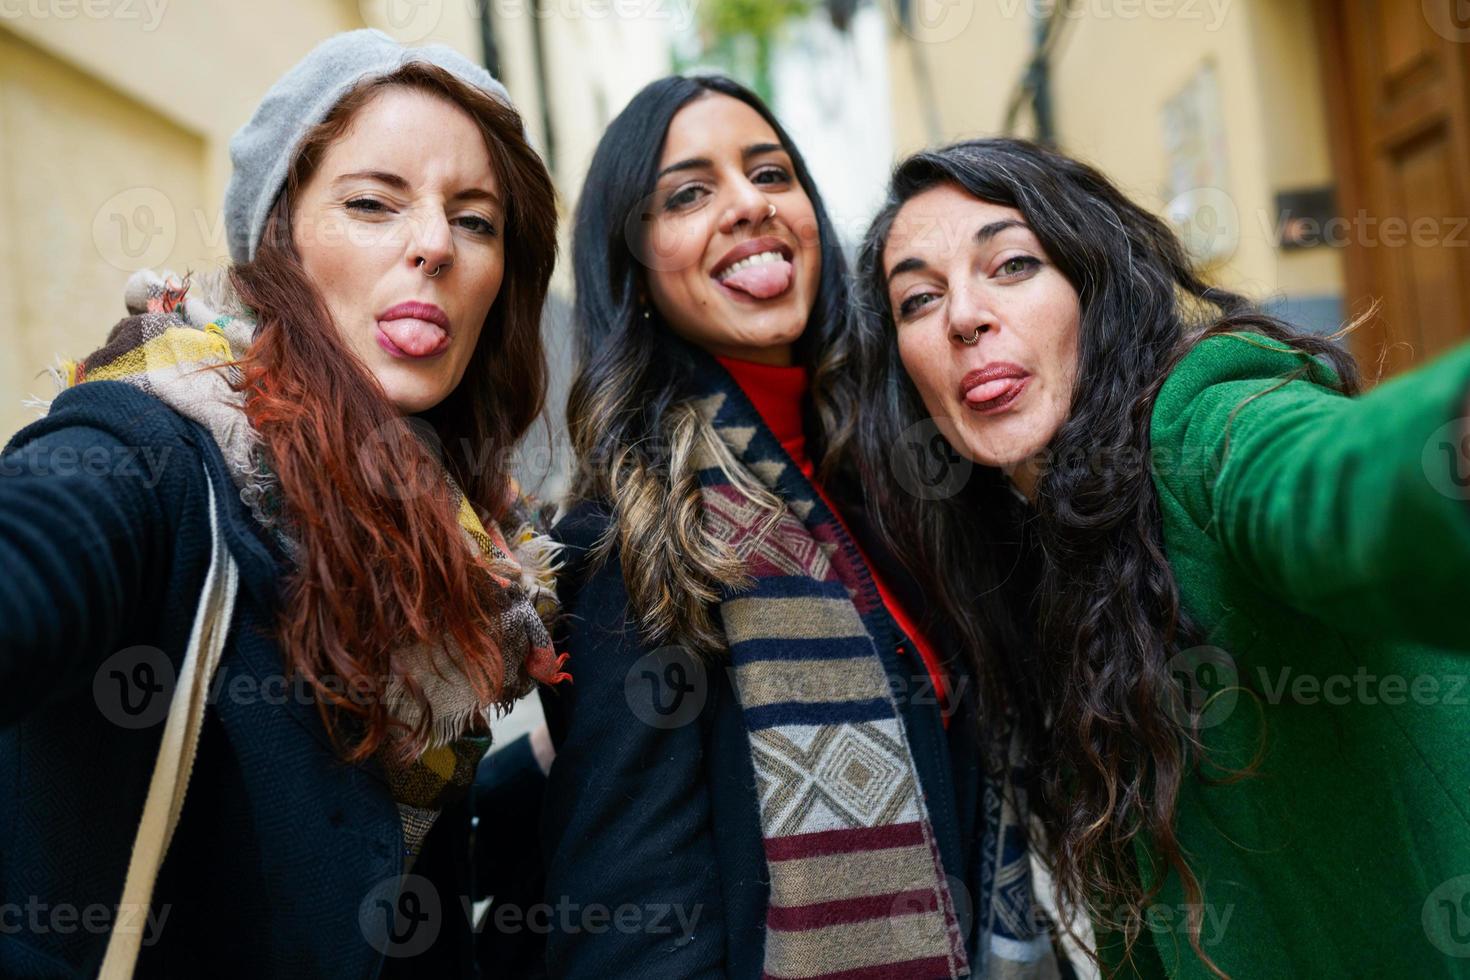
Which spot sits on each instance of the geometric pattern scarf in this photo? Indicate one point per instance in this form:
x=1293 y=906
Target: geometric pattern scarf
x=857 y=886
x=179 y=346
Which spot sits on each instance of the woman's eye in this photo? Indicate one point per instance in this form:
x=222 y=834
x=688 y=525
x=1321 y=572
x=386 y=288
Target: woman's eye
x=366 y=204
x=477 y=224
x=915 y=303
x=1019 y=265
x=776 y=175
x=683 y=198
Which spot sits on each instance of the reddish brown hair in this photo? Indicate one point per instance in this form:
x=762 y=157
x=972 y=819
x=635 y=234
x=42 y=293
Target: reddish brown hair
x=383 y=564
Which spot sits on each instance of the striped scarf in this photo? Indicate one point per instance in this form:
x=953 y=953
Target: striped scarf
x=180 y=346
x=857 y=886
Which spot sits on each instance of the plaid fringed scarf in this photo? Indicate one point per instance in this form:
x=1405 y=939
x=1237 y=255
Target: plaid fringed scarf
x=857 y=887
x=179 y=346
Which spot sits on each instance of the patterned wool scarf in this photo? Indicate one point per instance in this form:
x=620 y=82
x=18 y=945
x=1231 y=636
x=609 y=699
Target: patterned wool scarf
x=179 y=346
x=857 y=887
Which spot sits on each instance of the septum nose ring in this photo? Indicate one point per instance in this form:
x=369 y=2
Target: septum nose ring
x=974 y=338
x=437 y=269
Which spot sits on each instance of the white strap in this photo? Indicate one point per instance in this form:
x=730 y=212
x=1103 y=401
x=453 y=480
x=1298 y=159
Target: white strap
x=176 y=752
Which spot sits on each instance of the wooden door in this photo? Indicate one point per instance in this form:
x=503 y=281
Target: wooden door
x=1398 y=93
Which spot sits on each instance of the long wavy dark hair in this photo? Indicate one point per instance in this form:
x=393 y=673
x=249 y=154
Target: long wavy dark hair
x=1069 y=612
x=630 y=414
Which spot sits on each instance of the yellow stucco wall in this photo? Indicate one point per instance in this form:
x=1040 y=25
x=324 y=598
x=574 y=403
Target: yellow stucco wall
x=972 y=53
x=92 y=186
x=115 y=120
x=1115 y=66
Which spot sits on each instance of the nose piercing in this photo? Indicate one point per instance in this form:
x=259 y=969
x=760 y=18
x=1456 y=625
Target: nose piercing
x=771 y=213
x=437 y=269
x=974 y=338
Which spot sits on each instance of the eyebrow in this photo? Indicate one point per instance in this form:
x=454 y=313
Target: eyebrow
x=694 y=163
x=398 y=183
x=984 y=235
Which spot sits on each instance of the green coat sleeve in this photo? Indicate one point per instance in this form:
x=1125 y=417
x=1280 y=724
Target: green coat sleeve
x=1351 y=510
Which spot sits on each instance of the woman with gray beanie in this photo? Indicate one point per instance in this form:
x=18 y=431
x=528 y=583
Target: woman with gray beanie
x=263 y=548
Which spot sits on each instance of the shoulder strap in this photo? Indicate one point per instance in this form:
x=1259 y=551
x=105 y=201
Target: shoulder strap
x=176 y=752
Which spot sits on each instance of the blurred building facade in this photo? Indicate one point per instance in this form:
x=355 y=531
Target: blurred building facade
x=115 y=119
x=1311 y=152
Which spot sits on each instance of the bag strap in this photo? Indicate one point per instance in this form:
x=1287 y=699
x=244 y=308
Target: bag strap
x=176 y=752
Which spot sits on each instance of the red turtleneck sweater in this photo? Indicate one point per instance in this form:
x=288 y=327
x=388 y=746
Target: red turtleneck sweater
x=777 y=393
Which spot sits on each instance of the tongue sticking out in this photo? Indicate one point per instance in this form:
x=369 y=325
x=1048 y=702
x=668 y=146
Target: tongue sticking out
x=990 y=390
x=418 y=338
x=761 y=281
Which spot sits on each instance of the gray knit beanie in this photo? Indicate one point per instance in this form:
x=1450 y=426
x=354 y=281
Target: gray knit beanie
x=263 y=149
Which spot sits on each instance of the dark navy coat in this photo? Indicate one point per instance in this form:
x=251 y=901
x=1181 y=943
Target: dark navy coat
x=286 y=861
x=661 y=820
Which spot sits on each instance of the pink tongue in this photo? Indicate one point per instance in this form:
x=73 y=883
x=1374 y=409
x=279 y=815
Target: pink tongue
x=416 y=337
x=989 y=390
x=761 y=281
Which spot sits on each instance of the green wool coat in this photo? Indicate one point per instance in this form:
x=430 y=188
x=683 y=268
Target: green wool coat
x=1322 y=543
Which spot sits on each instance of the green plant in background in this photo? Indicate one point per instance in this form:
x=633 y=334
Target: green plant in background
x=740 y=34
